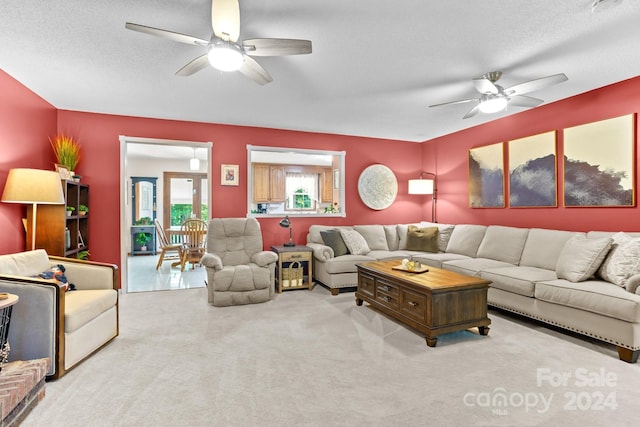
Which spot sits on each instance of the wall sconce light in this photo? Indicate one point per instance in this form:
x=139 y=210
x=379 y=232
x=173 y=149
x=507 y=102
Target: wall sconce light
x=286 y=223
x=425 y=186
x=34 y=187
x=194 y=163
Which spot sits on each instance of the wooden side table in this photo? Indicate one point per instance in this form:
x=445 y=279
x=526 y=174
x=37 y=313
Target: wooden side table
x=288 y=255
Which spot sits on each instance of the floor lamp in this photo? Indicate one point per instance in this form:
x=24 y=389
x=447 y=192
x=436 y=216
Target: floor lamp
x=34 y=187
x=425 y=186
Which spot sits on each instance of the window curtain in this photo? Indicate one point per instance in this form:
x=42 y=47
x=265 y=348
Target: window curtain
x=296 y=181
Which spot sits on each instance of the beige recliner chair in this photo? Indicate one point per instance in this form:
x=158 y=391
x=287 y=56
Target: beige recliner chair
x=238 y=270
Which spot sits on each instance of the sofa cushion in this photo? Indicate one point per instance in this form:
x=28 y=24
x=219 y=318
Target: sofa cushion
x=444 y=233
x=518 y=279
x=473 y=266
x=623 y=261
x=374 y=235
x=503 y=243
x=391 y=233
x=466 y=239
x=80 y=307
x=581 y=257
x=345 y=263
x=424 y=239
x=543 y=247
x=314 y=232
x=387 y=255
x=436 y=260
x=355 y=242
x=26 y=264
x=333 y=239
x=595 y=296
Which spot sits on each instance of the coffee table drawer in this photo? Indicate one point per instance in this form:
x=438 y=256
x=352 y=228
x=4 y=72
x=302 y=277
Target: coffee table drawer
x=366 y=284
x=387 y=294
x=414 y=305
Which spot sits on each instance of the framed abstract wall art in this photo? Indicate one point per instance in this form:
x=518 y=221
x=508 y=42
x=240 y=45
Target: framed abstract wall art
x=486 y=176
x=229 y=175
x=532 y=171
x=599 y=163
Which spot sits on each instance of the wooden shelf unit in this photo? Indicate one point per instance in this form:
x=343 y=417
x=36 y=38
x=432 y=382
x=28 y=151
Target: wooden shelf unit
x=52 y=222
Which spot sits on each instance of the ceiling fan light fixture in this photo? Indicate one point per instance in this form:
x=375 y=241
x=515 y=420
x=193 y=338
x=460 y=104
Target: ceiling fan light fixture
x=225 y=56
x=493 y=104
x=600 y=5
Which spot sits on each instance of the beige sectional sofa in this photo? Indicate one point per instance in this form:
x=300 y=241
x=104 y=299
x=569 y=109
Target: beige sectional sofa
x=554 y=276
x=47 y=321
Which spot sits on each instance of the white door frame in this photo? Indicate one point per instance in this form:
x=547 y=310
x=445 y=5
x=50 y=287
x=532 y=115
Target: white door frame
x=125 y=189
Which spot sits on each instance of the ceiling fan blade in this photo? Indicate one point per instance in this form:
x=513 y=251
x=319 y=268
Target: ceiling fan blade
x=462 y=101
x=524 y=101
x=200 y=63
x=170 y=35
x=484 y=85
x=225 y=19
x=276 y=47
x=536 y=84
x=472 y=112
x=254 y=71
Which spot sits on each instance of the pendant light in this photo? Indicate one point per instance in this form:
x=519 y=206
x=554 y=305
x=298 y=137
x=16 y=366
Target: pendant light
x=194 y=163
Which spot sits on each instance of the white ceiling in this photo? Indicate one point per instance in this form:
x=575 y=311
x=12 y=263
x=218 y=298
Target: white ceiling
x=376 y=65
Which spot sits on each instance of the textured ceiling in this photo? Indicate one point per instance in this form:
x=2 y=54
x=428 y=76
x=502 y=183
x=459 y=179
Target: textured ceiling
x=376 y=65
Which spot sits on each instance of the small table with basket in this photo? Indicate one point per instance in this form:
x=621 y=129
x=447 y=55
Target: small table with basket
x=295 y=267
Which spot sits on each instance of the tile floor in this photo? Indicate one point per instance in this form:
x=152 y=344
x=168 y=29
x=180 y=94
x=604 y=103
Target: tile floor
x=143 y=276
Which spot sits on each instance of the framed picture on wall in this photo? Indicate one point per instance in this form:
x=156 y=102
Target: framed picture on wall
x=532 y=171
x=486 y=176
x=229 y=175
x=599 y=163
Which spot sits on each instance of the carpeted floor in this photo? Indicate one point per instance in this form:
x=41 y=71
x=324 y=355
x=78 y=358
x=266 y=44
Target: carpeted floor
x=311 y=359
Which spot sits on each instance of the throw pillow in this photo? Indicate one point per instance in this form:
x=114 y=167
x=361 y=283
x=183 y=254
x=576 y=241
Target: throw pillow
x=355 y=242
x=333 y=239
x=56 y=275
x=424 y=239
x=623 y=260
x=581 y=257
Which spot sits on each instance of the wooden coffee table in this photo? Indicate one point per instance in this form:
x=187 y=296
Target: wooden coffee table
x=434 y=302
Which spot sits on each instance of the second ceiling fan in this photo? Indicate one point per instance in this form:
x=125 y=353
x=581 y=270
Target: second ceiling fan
x=494 y=98
x=224 y=51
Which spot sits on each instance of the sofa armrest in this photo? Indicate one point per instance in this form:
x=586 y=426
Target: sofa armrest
x=633 y=284
x=37 y=319
x=321 y=252
x=264 y=258
x=88 y=275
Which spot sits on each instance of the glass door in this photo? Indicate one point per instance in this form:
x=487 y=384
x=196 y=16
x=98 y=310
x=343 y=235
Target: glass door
x=185 y=196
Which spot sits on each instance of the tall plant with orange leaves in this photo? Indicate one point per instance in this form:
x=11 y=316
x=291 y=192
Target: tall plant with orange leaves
x=67 y=151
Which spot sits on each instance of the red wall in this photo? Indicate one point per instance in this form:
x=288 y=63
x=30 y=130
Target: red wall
x=100 y=168
x=450 y=154
x=26 y=123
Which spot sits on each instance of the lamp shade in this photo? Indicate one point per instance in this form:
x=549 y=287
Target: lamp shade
x=33 y=186
x=421 y=186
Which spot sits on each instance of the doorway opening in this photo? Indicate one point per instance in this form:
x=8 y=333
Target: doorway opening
x=149 y=157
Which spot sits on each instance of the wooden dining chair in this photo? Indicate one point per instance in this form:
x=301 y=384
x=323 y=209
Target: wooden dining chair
x=168 y=250
x=193 y=233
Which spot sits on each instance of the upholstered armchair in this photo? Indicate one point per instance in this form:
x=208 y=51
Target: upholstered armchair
x=238 y=270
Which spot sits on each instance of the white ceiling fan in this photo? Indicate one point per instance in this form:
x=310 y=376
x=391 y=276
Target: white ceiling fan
x=494 y=98
x=224 y=51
